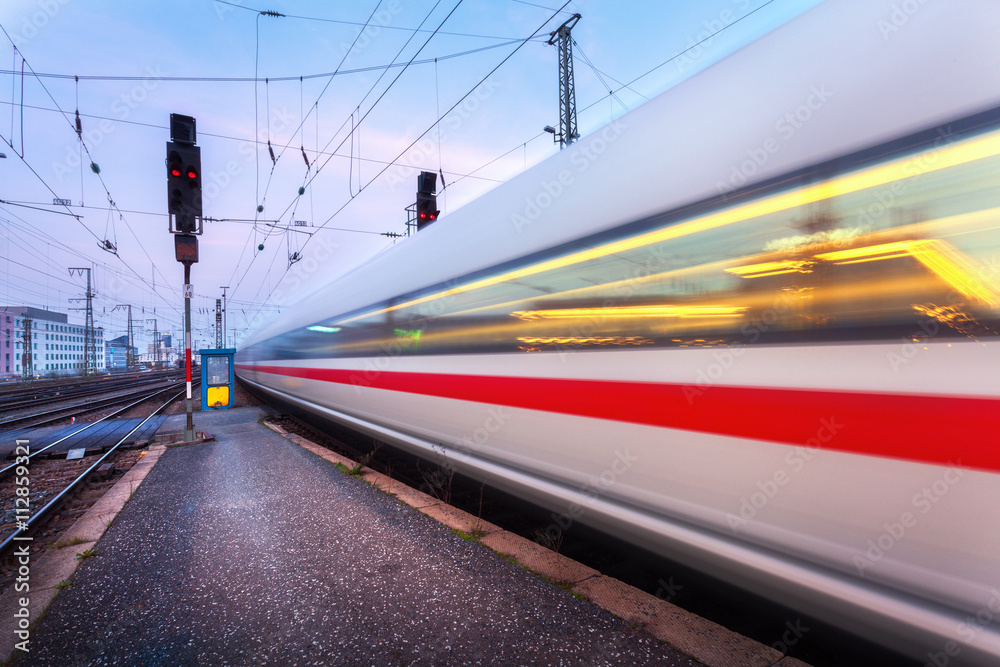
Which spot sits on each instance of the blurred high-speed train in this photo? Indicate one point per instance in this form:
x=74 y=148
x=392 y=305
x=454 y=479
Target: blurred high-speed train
x=751 y=325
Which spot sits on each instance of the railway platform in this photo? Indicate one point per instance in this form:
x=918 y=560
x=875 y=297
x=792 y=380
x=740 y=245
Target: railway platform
x=253 y=549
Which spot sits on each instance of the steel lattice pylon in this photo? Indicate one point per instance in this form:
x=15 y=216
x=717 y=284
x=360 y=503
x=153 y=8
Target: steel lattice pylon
x=27 y=360
x=218 y=324
x=90 y=336
x=567 y=89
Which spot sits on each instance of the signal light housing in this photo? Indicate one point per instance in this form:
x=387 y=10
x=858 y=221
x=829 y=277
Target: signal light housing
x=184 y=200
x=427 y=211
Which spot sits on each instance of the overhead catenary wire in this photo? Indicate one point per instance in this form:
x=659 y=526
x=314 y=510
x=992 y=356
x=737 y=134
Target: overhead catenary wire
x=600 y=77
x=680 y=53
x=355 y=23
x=225 y=137
x=450 y=109
x=381 y=96
x=273 y=79
x=259 y=199
x=373 y=105
x=96 y=171
x=95 y=223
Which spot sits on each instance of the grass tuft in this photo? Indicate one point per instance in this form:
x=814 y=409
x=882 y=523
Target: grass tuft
x=61 y=543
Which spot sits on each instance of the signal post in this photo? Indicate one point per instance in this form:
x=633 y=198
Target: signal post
x=185 y=222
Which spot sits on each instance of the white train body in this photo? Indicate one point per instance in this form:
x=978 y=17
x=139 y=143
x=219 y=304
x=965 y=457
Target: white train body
x=751 y=325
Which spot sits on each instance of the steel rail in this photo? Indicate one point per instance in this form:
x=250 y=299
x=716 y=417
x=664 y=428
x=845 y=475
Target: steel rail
x=4 y=471
x=19 y=534
x=79 y=409
x=48 y=396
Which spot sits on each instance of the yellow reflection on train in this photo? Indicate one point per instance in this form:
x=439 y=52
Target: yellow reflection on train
x=894 y=170
x=630 y=312
x=941 y=259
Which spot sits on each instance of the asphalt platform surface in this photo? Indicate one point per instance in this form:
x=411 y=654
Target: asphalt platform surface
x=253 y=551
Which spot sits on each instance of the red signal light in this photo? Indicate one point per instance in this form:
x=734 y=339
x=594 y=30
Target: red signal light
x=191 y=173
x=423 y=215
x=175 y=171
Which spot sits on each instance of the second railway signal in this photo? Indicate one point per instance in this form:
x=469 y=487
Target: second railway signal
x=427 y=210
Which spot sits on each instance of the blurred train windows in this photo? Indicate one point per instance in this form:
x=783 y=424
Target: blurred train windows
x=863 y=254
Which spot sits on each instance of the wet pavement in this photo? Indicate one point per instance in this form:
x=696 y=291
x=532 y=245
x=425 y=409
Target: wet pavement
x=251 y=550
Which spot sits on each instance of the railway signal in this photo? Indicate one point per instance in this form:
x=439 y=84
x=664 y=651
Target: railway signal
x=184 y=221
x=184 y=186
x=427 y=210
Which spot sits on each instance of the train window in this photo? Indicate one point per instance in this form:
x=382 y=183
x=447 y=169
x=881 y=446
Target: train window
x=865 y=253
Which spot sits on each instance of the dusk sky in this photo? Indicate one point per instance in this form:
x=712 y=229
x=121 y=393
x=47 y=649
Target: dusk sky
x=365 y=132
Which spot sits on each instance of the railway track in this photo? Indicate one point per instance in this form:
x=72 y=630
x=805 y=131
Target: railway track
x=82 y=408
x=60 y=487
x=9 y=390
x=51 y=395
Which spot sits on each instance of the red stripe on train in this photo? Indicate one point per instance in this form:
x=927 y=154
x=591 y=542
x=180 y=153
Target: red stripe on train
x=947 y=430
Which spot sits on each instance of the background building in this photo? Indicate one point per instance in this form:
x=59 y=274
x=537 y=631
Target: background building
x=116 y=353
x=56 y=346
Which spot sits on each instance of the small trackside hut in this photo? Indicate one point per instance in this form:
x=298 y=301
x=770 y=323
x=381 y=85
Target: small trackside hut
x=217 y=378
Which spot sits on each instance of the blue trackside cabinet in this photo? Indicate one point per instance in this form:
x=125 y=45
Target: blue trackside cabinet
x=218 y=378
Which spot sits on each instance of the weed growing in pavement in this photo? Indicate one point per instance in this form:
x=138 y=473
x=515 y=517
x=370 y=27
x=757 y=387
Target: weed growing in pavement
x=513 y=561
x=468 y=537
x=566 y=586
x=64 y=584
x=481 y=490
x=89 y=553
x=388 y=473
x=471 y=536
x=438 y=482
x=63 y=542
x=548 y=541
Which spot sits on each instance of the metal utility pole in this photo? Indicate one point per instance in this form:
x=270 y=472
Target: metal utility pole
x=224 y=319
x=27 y=366
x=130 y=340
x=218 y=324
x=567 y=90
x=184 y=221
x=89 y=351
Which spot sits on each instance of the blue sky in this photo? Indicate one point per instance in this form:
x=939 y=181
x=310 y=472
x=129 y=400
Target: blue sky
x=630 y=47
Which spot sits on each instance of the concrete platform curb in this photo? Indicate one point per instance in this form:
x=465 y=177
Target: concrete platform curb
x=57 y=565
x=699 y=638
x=702 y=639
x=555 y=566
